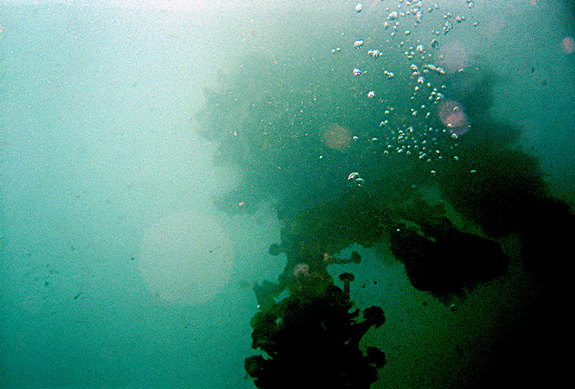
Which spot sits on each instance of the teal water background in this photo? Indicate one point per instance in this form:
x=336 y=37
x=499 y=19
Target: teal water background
x=98 y=143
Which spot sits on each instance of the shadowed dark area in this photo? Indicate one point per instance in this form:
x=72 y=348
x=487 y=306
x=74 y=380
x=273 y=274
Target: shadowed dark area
x=482 y=176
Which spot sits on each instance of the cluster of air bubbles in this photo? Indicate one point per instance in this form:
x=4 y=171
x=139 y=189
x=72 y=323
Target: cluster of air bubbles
x=429 y=128
x=426 y=143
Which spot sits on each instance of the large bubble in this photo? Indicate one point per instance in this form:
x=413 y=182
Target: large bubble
x=185 y=258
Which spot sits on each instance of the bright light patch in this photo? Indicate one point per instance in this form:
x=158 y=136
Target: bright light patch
x=185 y=258
x=336 y=137
x=568 y=45
x=185 y=5
x=452 y=115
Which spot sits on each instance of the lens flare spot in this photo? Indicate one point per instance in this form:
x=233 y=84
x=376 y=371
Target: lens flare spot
x=453 y=117
x=185 y=258
x=336 y=137
x=568 y=45
x=455 y=56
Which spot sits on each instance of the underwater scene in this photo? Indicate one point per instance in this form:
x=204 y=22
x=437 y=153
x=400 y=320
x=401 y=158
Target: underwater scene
x=286 y=194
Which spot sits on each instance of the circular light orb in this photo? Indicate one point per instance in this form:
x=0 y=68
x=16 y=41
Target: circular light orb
x=453 y=117
x=185 y=258
x=455 y=56
x=336 y=137
x=568 y=45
